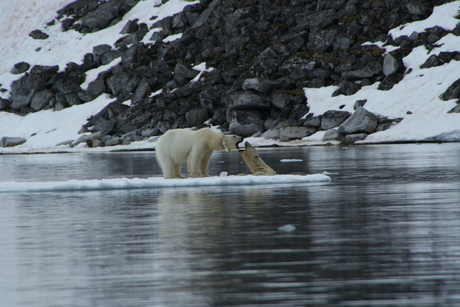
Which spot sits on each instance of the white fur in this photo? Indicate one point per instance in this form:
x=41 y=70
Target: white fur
x=194 y=147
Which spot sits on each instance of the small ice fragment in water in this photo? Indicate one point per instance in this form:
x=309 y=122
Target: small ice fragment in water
x=223 y=174
x=291 y=160
x=287 y=228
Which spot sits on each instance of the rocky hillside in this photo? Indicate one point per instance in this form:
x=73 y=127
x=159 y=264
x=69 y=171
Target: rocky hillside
x=259 y=55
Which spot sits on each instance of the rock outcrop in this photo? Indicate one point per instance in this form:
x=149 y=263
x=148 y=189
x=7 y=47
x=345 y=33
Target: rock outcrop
x=263 y=53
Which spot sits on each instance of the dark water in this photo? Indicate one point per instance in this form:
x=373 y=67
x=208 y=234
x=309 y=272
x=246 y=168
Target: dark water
x=385 y=232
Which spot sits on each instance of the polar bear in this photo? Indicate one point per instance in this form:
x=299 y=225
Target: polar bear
x=257 y=166
x=194 y=147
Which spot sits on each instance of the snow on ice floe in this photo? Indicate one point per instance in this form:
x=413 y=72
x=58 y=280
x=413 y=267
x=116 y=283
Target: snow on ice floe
x=158 y=182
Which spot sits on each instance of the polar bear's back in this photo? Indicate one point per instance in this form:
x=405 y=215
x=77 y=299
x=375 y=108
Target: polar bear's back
x=176 y=144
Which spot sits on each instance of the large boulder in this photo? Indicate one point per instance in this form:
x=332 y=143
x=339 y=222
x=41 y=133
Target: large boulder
x=260 y=85
x=390 y=65
x=293 y=133
x=24 y=89
x=103 y=15
x=247 y=100
x=361 y=121
x=333 y=118
x=197 y=116
x=281 y=99
x=41 y=100
x=244 y=123
x=7 y=141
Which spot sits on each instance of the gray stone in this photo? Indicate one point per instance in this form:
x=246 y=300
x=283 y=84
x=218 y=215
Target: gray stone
x=352 y=138
x=244 y=123
x=260 y=85
x=313 y=121
x=130 y=27
x=24 y=89
x=271 y=134
x=390 y=65
x=7 y=141
x=19 y=68
x=86 y=137
x=281 y=99
x=359 y=103
x=361 y=121
x=38 y=34
x=333 y=118
x=293 y=133
x=150 y=132
x=366 y=72
x=247 y=100
x=113 y=141
x=197 y=116
x=332 y=135
x=100 y=17
x=41 y=99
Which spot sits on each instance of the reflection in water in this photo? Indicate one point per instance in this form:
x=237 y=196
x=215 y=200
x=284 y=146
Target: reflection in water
x=386 y=231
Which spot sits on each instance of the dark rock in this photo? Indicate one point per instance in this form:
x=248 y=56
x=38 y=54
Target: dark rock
x=321 y=40
x=37 y=34
x=24 y=89
x=350 y=139
x=219 y=117
x=418 y=9
x=361 y=121
x=359 y=103
x=347 y=88
x=6 y=141
x=48 y=71
x=130 y=27
x=333 y=135
x=299 y=111
x=183 y=74
x=260 y=85
x=247 y=100
x=452 y=92
x=142 y=91
x=244 y=123
x=390 y=65
x=101 y=17
x=4 y=104
x=455 y=109
x=41 y=99
x=432 y=61
x=281 y=99
x=19 y=68
x=366 y=72
x=293 y=133
x=333 y=118
x=313 y=121
x=94 y=89
x=117 y=83
x=113 y=141
x=197 y=116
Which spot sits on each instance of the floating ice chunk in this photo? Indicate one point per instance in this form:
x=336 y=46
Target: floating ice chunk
x=223 y=174
x=291 y=160
x=287 y=228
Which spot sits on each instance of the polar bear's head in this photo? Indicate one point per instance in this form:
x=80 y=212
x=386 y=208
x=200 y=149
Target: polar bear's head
x=231 y=141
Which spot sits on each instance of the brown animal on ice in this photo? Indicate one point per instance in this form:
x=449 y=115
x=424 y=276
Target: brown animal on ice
x=257 y=166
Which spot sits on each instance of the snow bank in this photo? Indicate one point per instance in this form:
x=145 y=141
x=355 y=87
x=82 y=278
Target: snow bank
x=158 y=182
